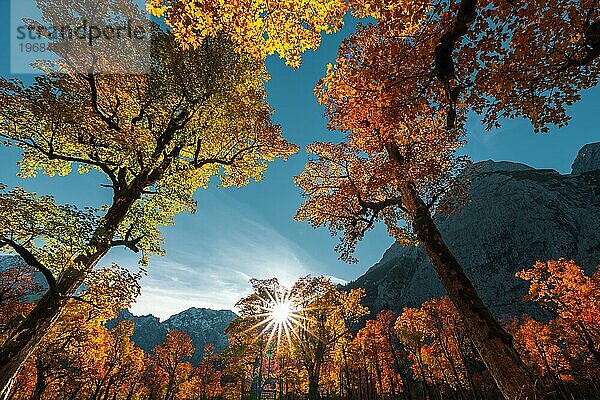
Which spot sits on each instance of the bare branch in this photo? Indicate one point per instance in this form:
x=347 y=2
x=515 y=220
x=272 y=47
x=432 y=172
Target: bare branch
x=32 y=261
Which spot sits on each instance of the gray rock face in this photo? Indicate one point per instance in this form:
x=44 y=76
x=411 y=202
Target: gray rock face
x=517 y=215
x=205 y=326
x=588 y=159
x=148 y=331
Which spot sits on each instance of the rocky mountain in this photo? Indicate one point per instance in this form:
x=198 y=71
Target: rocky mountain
x=517 y=215
x=205 y=326
x=148 y=330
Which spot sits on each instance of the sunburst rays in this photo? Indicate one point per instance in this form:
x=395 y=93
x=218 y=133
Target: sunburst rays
x=281 y=316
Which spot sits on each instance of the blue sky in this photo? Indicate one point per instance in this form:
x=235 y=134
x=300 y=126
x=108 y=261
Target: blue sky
x=237 y=234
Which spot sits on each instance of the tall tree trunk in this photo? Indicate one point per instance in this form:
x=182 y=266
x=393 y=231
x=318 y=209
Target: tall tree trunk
x=25 y=338
x=40 y=382
x=313 y=368
x=313 y=386
x=400 y=370
x=426 y=391
x=589 y=342
x=170 y=388
x=493 y=343
x=378 y=375
x=350 y=395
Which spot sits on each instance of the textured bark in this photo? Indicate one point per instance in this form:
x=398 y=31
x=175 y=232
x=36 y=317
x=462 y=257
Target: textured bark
x=313 y=387
x=493 y=343
x=314 y=375
x=444 y=63
x=40 y=381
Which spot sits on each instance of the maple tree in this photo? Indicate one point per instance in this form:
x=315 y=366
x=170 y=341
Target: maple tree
x=401 y=90
x=326 y=318
x=170 y=360
x=440 y=349
x=79 y=355
x=381 y=356
x=262 y=28
x=81 y=358
x=423 y=353
x=17 y=285
x=205 y=382
x=155 y=137
x=69 y=359
x=243 y=350
x=566 y=348
x=539 y=345
x=473 y=52
x=562 y=287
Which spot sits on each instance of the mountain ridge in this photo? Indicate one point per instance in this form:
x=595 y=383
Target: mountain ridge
x=517 y=215
x=203 y=325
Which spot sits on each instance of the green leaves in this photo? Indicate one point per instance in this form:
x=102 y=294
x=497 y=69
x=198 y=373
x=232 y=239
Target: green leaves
x=157 y=138
x=53 y=233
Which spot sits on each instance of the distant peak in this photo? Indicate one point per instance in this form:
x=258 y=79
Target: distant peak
x=588 y=159
x=499 y=166
x=202 y=313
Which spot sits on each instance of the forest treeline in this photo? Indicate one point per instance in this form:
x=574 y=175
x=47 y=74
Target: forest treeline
x=423 y=353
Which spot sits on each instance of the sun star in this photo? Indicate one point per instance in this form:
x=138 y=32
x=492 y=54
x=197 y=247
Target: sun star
x=281 y=312
x=280 y=317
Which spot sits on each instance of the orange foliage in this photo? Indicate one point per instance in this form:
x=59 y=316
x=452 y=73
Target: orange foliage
x=568 y=346
x=438 y=342
x=170 y=362
x=381 y=357
x=17 y=285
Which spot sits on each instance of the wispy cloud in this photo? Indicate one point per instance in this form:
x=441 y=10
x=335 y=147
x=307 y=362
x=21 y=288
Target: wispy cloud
x=211 y=257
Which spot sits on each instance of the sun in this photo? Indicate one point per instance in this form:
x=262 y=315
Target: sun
x=279 y=316
x=281 y=312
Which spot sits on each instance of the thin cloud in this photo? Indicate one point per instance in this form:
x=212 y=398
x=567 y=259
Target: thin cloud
x=210 y=259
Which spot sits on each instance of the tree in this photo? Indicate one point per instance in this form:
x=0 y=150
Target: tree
x=170 y=358
x=539 y=345
x=326 y=317
x=79 y=357
x=301 y=327
x=123 y=364
x=258 y=28
x=569 y=344
x=562 y=287
x=351 y=192
x=78 y=354
x=376 y=341
x=205 y=382
x=17 y=285
x=157 y=138
x=401 y=90
x=439 y=345
x=244 y=347
x=69 y=360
